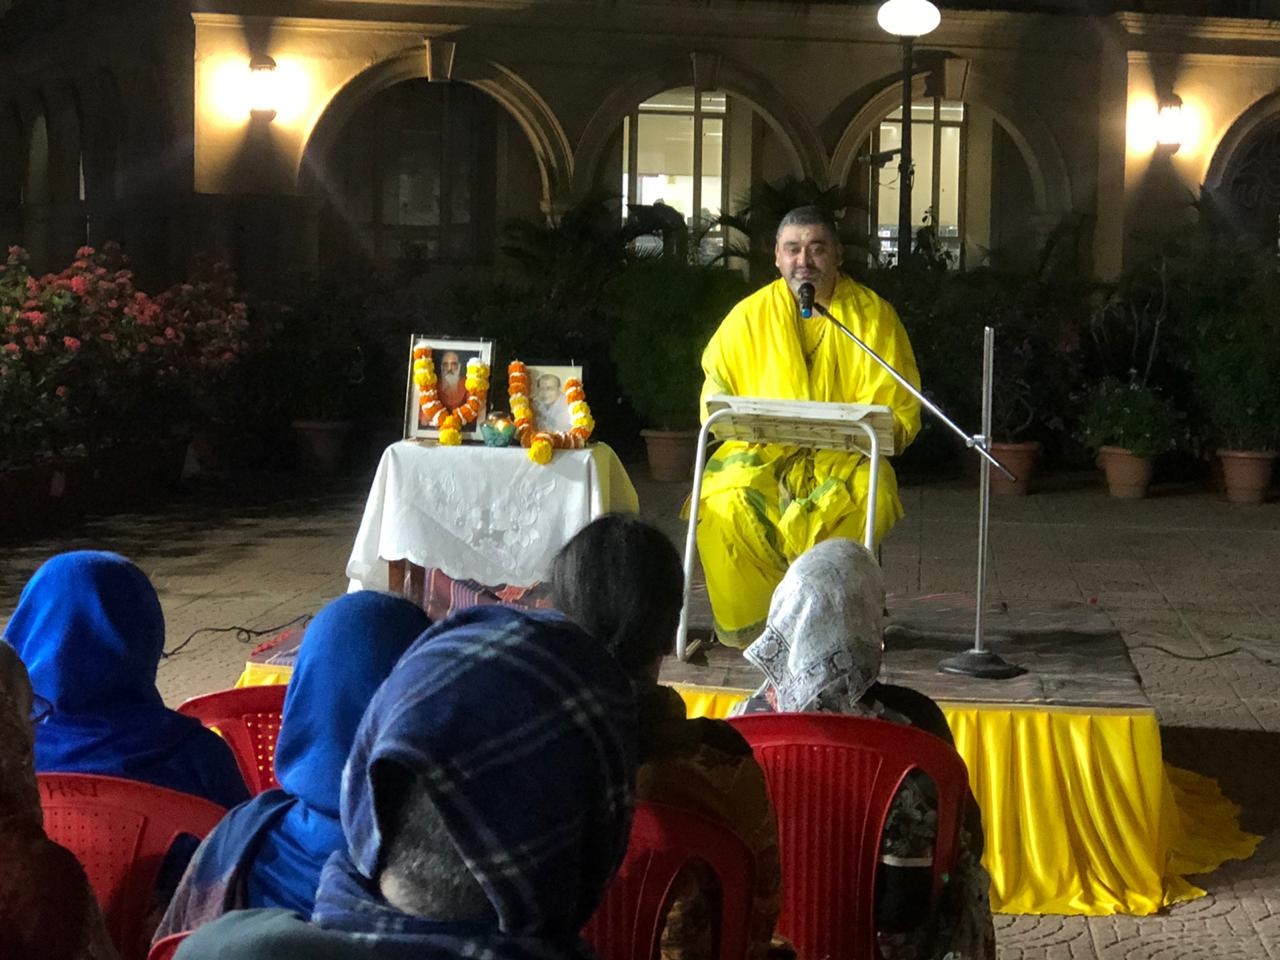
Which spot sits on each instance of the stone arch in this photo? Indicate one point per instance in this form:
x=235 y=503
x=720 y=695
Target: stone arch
x=797 y=134
x=35 y=150
x=1238 y=136
x=530 y=111
x=1040 y=152
x=63 y=115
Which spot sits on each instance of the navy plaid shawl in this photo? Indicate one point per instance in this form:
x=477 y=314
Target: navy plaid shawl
x=523 y=729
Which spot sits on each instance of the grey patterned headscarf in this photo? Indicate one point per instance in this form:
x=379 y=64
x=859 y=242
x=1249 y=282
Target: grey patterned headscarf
x=823 y=641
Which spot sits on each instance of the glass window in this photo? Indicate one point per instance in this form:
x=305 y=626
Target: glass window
x=408 y=169
x=660 y=162
x=935 y=189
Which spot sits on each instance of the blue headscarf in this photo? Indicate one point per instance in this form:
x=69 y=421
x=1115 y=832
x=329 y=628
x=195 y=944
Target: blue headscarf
x=269 y=852
x=90 y=630
x=522 y=730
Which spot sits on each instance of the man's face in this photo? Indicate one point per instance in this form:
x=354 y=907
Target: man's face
x=450 y=366
x=548 y=388
x=808 y=254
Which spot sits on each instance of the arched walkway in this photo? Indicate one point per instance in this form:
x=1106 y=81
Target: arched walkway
x=797 y=135
x=513 y=93
x=1045 y=164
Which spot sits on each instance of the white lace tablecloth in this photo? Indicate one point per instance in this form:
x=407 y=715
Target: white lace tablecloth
x=482 y=513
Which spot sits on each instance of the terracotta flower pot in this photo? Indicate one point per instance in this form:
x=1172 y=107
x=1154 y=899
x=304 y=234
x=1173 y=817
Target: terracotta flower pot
x=321 y=444
x=1021 y=459
x=1128 y=476
x=671 y=453
x=1246 y=474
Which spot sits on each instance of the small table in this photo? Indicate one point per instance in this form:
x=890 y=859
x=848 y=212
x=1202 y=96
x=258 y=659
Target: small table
x=480 y=513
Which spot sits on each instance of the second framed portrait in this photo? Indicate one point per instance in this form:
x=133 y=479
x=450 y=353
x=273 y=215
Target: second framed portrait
x=546 y=383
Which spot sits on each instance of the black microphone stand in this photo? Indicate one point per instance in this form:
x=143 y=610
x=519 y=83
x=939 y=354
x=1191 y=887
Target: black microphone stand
x=979 y=661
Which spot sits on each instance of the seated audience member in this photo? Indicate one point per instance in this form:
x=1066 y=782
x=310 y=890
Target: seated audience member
x=269 y=852
x=47 y=908
x=620 y=579
x=486 y=804
x=821 y=651
x=90 y=630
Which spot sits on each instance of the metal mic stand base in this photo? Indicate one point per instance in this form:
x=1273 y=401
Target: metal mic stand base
x=983 y=664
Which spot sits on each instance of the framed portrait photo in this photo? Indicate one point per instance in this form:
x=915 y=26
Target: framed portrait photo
x=450 y=357
x=546 y=383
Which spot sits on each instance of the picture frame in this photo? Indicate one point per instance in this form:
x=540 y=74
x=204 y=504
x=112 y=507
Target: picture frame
x=546 y=382
x=450 y=355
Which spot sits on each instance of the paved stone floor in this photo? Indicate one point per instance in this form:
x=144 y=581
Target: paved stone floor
x=1182 y=570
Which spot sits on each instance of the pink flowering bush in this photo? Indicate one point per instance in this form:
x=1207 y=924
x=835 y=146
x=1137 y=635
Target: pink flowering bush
x=88 y=359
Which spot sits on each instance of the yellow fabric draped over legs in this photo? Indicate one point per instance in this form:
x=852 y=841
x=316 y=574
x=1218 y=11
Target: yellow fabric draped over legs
x=762 y=507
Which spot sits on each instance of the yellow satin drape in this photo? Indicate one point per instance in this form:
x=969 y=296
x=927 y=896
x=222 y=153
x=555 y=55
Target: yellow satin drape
x=1081 y=814
x=264 y=675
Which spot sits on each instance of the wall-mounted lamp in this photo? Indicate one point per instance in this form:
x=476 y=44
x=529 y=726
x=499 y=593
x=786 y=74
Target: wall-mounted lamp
x=263 y=91
x=1169 y=125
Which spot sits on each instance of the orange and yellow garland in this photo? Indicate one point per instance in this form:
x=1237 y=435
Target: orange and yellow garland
x=449 y=422
x=541 y=443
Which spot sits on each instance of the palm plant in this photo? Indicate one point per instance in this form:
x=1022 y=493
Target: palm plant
x=756 y=223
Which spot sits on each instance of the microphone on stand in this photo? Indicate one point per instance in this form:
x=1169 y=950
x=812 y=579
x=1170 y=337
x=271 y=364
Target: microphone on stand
x=806 y=300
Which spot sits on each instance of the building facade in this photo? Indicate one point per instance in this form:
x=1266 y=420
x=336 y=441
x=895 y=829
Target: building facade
x=293 y=135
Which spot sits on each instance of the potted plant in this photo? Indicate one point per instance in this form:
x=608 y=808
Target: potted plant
x=1235 y=369
x=1128 y=424
x=320 y=353
x=667 y=311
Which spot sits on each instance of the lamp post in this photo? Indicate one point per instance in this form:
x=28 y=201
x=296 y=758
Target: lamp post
x=906 y=20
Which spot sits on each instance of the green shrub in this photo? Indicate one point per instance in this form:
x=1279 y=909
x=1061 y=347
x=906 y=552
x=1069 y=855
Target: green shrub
x=666 y=313
x=1130 y=416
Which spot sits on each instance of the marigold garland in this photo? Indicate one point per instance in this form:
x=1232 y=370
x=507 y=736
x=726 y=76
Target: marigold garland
x=449 y=422
x=540 y=443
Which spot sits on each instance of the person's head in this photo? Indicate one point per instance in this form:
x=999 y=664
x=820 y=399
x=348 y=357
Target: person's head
x=807 y=250
x=450 y=366
x=504 y=740
x=349 y=649
x=620 y=579
x=19 y=796
x=90 y=630
x=548 y=388
x=824 y=638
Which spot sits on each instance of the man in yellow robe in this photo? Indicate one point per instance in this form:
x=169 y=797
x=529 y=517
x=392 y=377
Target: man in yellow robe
x=763 y=504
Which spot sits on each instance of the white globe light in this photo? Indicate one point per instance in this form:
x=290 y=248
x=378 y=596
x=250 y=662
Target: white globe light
x=908 y=18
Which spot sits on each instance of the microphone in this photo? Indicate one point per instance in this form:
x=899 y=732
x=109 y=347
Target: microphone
x=806 y=300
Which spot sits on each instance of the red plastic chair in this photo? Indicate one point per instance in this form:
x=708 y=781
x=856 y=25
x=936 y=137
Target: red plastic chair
x=166 y=948
x=248 y=718
x=120 y=831
x=832 y=779
x=629 y=921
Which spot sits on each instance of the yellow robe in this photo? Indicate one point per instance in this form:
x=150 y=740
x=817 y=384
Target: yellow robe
x=763 y=505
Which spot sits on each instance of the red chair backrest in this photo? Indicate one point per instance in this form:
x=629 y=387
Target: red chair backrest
x=120 y=831
x=248 y=718
x=628 y=923
x=832 y=779
x=166 y=948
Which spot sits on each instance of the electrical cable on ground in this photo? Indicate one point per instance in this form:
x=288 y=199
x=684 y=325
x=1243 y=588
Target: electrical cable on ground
x=243 y=634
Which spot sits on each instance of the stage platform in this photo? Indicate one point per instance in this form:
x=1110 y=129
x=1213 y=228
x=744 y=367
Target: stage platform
x=1080 y=813
x=1073 y=654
